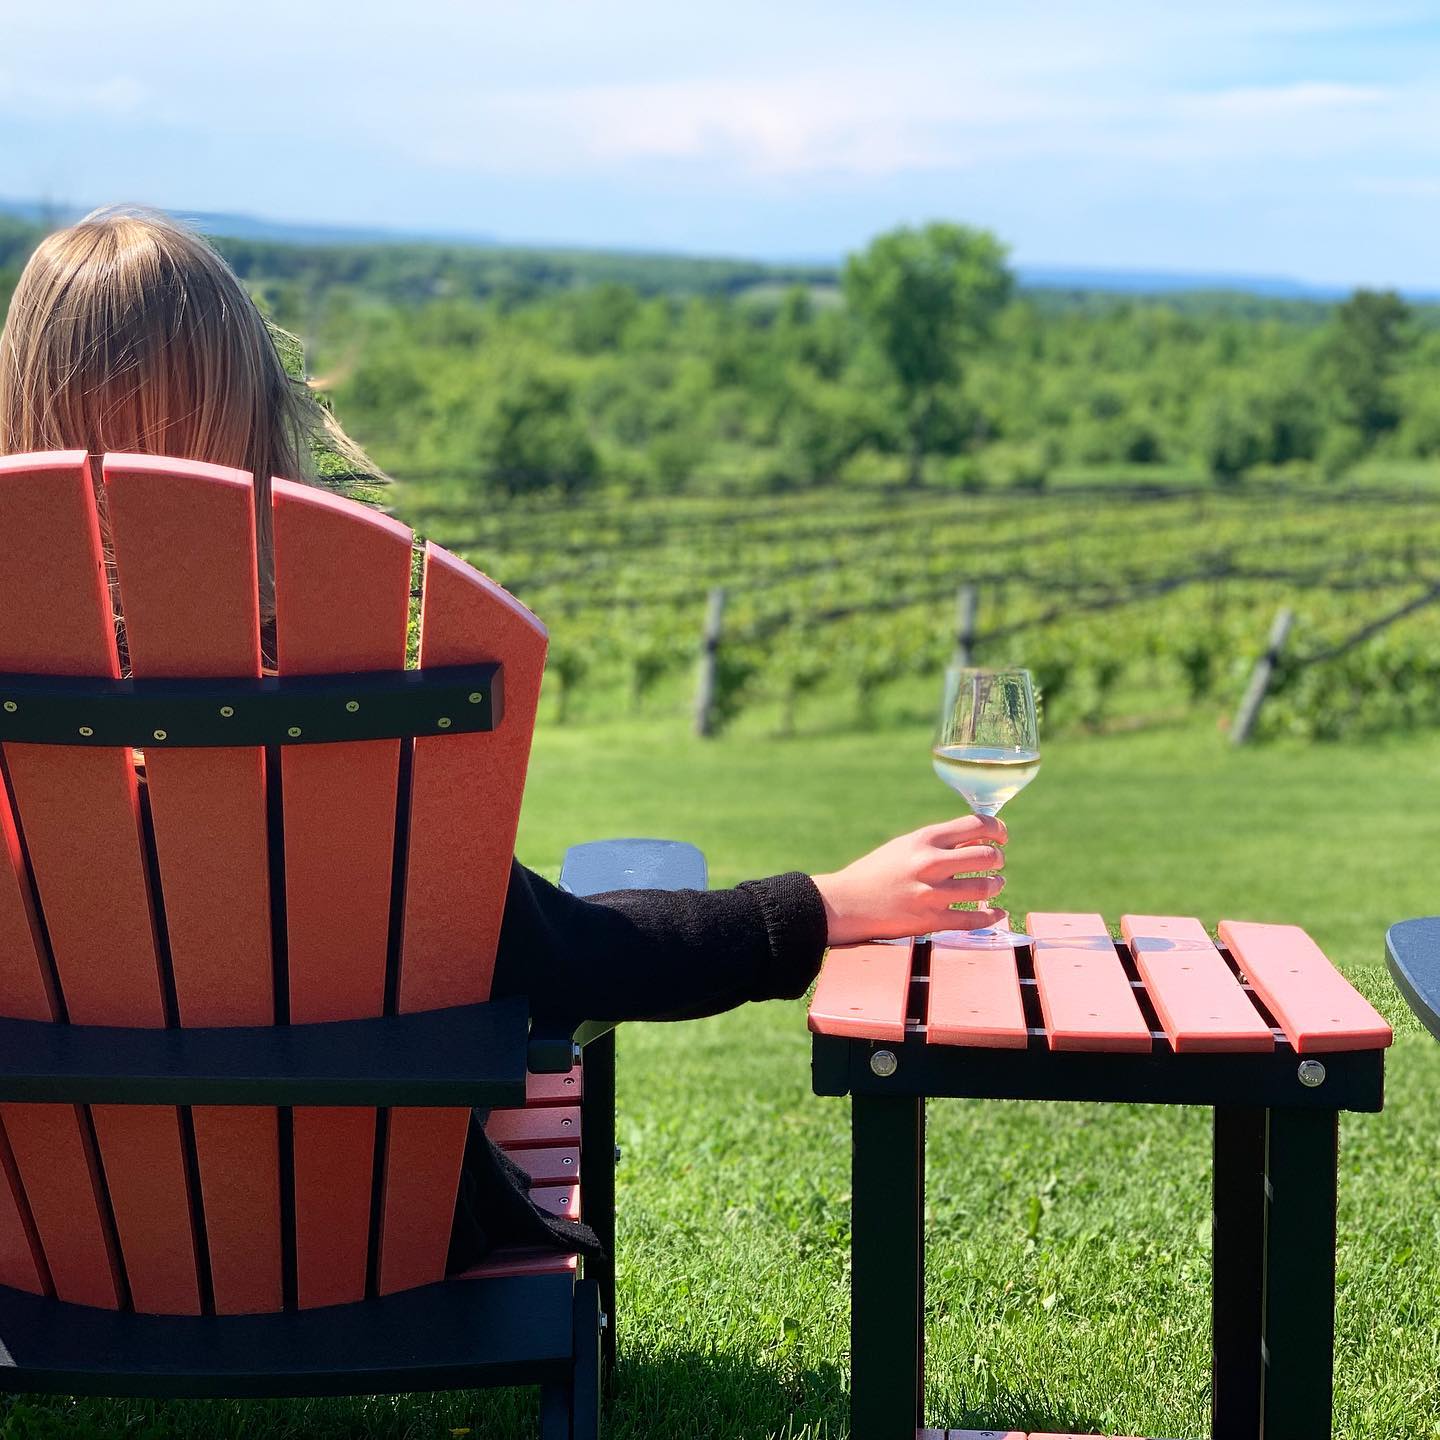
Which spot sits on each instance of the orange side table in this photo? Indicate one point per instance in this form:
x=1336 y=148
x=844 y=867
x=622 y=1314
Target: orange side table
x=1261 y=1027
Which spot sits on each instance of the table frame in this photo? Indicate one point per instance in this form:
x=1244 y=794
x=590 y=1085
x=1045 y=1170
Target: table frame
x=1274 y=1205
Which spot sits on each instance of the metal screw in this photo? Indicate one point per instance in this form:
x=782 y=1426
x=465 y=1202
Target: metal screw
x=884 y=1063
x=11 y=706
x=293 y=732
x=1312 y=1073
x=476 y=696
x=567 y=1161
x=227 y=711
x=352 y=706
x=86 y=731
x=161 y=735
x=443 y=722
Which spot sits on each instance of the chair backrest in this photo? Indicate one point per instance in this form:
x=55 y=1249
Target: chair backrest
x=239 y=886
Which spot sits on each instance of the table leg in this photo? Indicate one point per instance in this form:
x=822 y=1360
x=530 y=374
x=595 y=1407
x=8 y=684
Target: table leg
x=1238 y=1260
x=1299 y=1322
x=887 y=1257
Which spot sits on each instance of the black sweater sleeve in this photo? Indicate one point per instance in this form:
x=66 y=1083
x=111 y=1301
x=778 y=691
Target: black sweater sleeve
x=657 y=954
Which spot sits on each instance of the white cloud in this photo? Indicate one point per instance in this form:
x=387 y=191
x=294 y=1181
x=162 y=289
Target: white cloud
x=1302 y=98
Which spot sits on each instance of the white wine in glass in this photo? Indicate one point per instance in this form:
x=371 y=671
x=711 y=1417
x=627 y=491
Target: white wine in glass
x=987 y=748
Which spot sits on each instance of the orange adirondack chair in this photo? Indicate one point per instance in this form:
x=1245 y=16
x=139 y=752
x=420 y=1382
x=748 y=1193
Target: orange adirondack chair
x=246 y=1001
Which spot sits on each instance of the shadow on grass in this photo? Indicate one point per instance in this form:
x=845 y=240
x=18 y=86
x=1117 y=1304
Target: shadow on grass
x=725 y=1397
x=702 y=1396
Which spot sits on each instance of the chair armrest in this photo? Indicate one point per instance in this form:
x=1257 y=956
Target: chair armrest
x=1412 y=950
x=604 y=865
x=597 y=868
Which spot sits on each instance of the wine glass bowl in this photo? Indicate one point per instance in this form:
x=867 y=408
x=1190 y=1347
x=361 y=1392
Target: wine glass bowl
x=987 y=749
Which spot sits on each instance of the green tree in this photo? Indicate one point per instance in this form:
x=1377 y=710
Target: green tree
x=926 y=298
x=1358 y=357
x=529 y=437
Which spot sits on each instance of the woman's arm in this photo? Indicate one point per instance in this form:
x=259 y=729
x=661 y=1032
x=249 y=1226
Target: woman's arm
x=678 y=954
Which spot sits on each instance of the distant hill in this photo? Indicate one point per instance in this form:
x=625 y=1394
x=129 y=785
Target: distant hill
x=251 y=227
x=683 y=271
x=1170 y=282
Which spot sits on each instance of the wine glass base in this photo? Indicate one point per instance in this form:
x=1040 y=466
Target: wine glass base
x=989 y=938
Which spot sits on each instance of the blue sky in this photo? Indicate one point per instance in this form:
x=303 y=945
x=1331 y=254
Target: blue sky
x=1276 y=136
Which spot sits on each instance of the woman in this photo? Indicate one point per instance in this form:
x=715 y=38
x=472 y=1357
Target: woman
x=128 y=333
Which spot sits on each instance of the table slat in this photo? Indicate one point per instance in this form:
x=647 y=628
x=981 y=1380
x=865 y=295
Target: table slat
x=863 y=991
x=975 y=998
x=1314 y=1004
x=1085 y=994
x=1201 y=1005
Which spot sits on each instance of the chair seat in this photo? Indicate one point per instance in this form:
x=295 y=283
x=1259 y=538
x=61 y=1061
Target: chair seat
x=508 y=1330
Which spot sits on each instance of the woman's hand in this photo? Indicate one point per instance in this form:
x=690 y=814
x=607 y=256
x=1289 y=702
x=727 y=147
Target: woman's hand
x=907 y=885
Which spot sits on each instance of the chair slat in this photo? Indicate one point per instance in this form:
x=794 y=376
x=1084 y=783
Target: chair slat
x=544 y=1125
x=1201 y=1005
x=1085 y=994
x=334 y=1177
x=423 y=1151
x=22 y=1257
x=549 y=1164
x=863 y=990
x=55 y=1157
x=466 y=790
x=465 y=793
x=1313 y=1003
x=975 y=998
x=184 y=540
x=26 y=993
x=26 y=989
x=342 y=586
x=153 y=1207
x=79 y=813
x=561 y=1200
x=566 y=1089
x=520 y=1262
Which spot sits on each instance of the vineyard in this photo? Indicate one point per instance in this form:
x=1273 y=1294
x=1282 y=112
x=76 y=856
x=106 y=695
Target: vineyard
x=1131 y=604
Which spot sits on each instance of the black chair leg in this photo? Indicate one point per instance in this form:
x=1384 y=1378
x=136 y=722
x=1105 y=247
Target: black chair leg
x=555 y=1411
x=597 y=1140
x=585 y=1393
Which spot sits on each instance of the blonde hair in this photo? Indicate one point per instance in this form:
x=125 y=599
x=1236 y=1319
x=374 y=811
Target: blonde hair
x=127 y=332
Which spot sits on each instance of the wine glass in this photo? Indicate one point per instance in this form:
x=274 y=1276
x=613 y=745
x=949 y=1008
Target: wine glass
x=987 y=748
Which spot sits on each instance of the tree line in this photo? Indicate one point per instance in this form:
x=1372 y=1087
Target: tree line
x=519 y=371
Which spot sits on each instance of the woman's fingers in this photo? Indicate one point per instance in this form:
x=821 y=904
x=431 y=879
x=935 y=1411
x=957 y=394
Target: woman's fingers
x=967 y=860
x=968 y=887
x=966 y=830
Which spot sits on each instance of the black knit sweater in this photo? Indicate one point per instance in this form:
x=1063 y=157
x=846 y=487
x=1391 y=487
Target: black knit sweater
x=628 y=955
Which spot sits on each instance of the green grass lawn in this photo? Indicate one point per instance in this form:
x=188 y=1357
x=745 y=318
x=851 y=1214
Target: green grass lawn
x=1093 y=1317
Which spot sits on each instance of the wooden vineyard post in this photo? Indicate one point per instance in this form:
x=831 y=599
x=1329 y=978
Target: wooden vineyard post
x=1261 y=676
x=967 y=603
x=709 y=659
